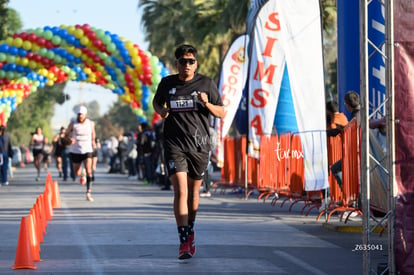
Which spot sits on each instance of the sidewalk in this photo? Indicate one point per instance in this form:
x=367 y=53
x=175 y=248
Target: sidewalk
x=130 y=228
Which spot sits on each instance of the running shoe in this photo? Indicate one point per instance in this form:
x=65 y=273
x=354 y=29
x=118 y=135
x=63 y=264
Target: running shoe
x=184 y=252
x=89 y=197
x=191 y=241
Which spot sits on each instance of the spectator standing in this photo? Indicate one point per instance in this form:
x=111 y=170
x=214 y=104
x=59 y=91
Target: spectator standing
x=6 y=152
x=140 y=154
x=113 y=154
x=132 y=157
x=122 y=149
x=147 y=147
x=353 y=106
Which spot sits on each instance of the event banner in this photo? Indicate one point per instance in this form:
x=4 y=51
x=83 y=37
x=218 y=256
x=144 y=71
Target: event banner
x=232 y=81
x=289 y=33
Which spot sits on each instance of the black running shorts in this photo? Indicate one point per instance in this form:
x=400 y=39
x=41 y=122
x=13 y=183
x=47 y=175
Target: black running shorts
x=194 y=163
x=78 y=158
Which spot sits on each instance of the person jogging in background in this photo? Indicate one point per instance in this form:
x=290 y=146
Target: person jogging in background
x=36 y=144
x=59 y=147
x=82 y=132
x=186 y=100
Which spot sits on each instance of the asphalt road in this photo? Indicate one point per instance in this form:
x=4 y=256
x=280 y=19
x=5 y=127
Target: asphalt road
x=130 y=229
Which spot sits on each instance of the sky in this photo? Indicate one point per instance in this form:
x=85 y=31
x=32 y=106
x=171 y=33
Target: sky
x=120 y=17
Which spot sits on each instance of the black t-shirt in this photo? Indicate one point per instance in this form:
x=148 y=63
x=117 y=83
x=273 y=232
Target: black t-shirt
x=186 y=128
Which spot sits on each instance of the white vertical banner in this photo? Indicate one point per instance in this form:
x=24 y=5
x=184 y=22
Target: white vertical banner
x=290 y=31
x=232 y=82
x=266 y=71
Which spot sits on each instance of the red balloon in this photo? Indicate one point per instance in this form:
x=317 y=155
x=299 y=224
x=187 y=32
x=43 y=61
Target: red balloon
x=97 y=43
x=32 y=37
x=41 y=41
x=86 y=27
x=92 y=35
x=37 y=57
x=147 y=69
x=49 y=44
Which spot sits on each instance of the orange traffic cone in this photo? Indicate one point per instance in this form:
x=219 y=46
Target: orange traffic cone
x=55 y=195
x=47 y=205
x=48 y=184
x=42 y=214
x=24 y=257
x=34 y=244
x=39 y=224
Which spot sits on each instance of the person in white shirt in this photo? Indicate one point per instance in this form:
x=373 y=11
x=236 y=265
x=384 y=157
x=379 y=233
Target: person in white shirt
x=82 y=133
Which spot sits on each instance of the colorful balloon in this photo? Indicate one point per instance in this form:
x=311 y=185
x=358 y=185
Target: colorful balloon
x=44 y=56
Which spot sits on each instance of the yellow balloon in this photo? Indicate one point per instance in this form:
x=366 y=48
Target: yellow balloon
x=18 y=42
x=71 y=29
x=77 y=52
x=84 y=40
x=32 y=64
x=9 y=40
x=35 y=47
x=27 y=45
x=128 y=45
x=78 y=33
x=87 y=70
x=50 y=75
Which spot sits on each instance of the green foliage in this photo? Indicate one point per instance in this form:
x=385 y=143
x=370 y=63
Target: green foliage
x=10 y=21
x=119 y=119
x=209 y=25
x=36 y=110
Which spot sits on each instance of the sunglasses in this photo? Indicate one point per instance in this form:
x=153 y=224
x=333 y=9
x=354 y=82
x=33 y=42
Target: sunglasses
x=185 y=61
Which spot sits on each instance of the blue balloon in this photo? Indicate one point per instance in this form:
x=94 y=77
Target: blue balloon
x=13 y=50
x=4 y=48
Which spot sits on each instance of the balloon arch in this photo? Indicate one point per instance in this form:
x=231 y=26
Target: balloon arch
x=44 y=56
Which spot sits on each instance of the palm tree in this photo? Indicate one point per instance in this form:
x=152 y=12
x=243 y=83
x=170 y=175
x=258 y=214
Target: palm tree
x=211 y=25
x=170 y=23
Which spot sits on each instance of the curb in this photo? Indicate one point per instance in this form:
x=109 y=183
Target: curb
x=342 y=227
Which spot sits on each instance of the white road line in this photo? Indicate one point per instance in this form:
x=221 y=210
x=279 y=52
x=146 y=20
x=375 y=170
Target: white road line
x=298 y=262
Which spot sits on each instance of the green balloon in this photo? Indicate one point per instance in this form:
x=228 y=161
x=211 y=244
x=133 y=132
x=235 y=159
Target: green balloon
x=100 y=33
x=38 y=31
x=50 y=55
x=56 y=40
x=11 y=59
x=43 y=52
x=106 y=39
x=10 y=75
x=58 y=59
x=2 y=74
x=111 y=47
x=48 y=34
x=3 y=57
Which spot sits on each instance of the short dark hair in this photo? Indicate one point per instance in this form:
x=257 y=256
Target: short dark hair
x=352 y=99
x=332 y=106
x=185 y=49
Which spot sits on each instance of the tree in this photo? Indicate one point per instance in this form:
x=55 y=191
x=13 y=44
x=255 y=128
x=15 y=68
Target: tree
x=36 y=110
x=171 y=23
x=10 y=21
x=119 y=119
